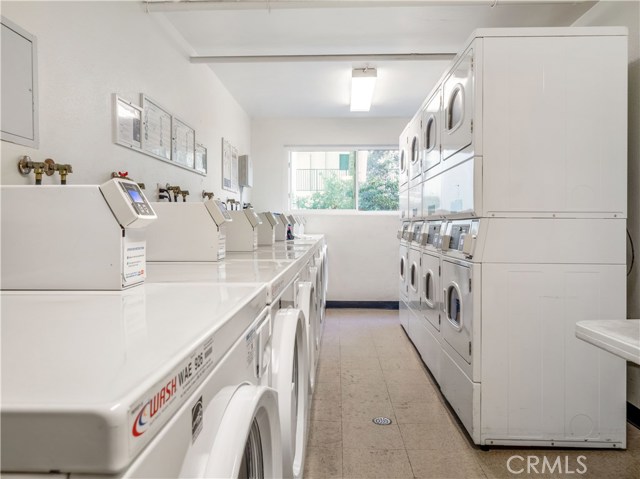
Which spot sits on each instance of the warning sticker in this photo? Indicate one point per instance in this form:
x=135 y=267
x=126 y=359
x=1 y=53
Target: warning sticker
x=157 y=405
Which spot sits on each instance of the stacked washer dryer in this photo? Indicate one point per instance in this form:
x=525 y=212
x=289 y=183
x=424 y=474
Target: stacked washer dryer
x=103 y=374
x=523 y=160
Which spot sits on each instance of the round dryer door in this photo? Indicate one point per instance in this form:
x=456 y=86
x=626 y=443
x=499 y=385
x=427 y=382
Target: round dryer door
x=247 y=442
x=307 y=304
x=290 y=379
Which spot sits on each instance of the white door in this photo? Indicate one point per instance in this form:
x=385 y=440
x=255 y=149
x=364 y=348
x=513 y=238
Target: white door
x=431 y=125
x=457 y=130
x=415 y=147
x=457 y=307
x=404 y=148
x=291 y=380
x=413 y=278
x=430 y=289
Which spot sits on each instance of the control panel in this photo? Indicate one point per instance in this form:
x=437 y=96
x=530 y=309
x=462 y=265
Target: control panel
x=460 y=236
x=252 y=217
x=271 y=218
x=416 y=231
x=218 y=211
x=127 y=202
x=431 y=233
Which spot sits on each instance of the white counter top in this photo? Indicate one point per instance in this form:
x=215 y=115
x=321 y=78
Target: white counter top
x=619 y=337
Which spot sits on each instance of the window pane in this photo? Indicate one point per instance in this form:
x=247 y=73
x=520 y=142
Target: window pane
x=323 y=180
x=378 y=180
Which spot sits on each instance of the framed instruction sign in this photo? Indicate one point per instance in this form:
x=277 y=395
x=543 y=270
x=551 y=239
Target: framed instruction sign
x=156 y=129
x=184 y=143
x=127 y=123
x=201 y=159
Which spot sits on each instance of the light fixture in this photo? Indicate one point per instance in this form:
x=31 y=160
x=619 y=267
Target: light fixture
x=363 y=82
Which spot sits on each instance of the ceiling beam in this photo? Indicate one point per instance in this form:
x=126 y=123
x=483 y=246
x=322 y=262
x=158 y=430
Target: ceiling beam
x=194 y=5
x=322 y=58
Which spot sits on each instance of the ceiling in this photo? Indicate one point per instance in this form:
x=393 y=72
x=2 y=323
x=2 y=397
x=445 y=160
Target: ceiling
x=314 y=87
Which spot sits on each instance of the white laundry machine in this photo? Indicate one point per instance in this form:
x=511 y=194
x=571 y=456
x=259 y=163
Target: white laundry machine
x=285 y=342
x=424 y=325
x=511 y=366
x=404 y=235
x=156 y=381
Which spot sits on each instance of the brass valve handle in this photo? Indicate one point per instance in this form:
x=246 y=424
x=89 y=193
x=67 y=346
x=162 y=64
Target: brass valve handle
x=184 y=194
x=207 y=194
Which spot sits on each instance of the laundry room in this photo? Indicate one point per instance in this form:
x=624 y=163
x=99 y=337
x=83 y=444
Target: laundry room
x=218 y=261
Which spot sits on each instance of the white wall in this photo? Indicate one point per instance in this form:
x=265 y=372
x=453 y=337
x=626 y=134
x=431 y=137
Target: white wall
x=89 y=50
x=608 y=13
x=363 y=248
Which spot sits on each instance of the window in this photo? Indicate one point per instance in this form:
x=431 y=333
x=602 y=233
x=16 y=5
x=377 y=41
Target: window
x=349 y=179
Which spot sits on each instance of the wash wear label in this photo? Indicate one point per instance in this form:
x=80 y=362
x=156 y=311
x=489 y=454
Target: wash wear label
x=158 y=404
x=134 y=260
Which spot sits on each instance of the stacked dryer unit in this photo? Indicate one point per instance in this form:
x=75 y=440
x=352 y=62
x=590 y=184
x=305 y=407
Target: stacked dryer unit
x=523 y=164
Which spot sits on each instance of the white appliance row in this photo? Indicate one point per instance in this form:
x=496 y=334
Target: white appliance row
x=513 y=172
x=491 y=305
x=204 y=370
x=522 y=124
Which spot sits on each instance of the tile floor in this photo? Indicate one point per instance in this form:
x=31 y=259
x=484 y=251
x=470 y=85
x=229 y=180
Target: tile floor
x=369 y=368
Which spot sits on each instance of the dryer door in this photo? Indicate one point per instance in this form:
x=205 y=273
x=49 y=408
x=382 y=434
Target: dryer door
x=247 y=441
x=290 y=380
x=431 y=132
x=457 y=305
x=307 y=304
x=430 y=289
x=457 y=130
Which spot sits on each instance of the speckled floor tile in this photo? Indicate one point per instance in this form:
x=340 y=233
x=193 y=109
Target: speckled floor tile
x=376 y=463
x=323 y=463
x=325 y=434
x=443 y=464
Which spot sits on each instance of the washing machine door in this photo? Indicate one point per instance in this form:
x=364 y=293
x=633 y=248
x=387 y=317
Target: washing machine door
x=307 y=304
x=430 y=289
x=315 y=280
x=457 y=306
x=247 y=441
x=290 y=379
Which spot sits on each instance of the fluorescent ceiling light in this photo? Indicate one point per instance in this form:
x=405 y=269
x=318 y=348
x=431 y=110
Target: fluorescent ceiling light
x=363 y=82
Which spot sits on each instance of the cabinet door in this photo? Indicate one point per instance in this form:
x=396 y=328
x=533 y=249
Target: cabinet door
x=457 y=130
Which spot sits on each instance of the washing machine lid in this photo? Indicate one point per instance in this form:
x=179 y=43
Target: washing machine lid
x=265 y=253
x=275 y=275
x=91 y=377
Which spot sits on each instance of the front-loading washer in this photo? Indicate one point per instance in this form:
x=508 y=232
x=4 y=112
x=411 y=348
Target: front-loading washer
x=404 y=235
x=284 y=295
x=157 y=381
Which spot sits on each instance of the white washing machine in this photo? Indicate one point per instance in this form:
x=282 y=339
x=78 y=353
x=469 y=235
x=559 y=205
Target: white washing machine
x=425 y=325
x=157 y=381
x=285 y=342
x=510 y=364
x=404 y=234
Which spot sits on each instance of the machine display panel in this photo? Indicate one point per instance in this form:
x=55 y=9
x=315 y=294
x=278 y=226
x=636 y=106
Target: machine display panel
x=433 y=233
x=138 y=200
x=458 y=230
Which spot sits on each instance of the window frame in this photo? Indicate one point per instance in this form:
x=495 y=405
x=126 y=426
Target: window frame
x=290 y=149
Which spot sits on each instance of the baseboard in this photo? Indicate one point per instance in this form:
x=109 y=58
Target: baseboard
x=363 y=304
x=633 y=415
